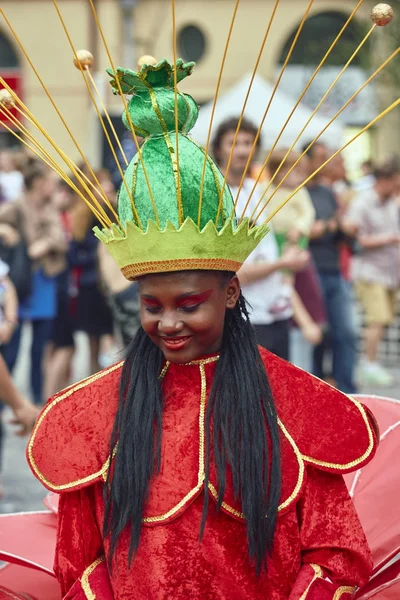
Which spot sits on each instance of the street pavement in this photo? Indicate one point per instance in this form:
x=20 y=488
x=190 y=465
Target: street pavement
x=22 y=491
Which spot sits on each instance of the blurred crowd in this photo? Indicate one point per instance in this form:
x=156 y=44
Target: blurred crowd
x=334 y=246
x=333 y=252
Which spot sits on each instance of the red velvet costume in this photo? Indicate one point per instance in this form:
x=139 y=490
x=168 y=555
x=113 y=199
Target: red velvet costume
x=320 y=552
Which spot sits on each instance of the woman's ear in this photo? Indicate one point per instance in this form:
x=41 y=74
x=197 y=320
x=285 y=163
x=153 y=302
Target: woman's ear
x=232 y=292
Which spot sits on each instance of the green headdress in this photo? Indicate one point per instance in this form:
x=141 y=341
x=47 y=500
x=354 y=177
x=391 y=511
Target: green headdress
x=166 y=222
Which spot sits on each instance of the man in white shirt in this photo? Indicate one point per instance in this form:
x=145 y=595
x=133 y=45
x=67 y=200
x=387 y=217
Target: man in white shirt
x=11 y=180
x=262 y=282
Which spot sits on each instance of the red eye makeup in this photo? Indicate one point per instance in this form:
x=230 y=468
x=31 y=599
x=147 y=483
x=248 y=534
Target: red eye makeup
x=194 y=299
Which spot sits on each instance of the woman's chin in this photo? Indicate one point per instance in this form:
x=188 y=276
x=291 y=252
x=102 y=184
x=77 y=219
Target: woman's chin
x=179 y=357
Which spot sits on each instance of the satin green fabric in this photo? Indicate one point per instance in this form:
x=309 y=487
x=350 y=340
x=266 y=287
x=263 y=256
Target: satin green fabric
x=152 y=112
x=164 y=228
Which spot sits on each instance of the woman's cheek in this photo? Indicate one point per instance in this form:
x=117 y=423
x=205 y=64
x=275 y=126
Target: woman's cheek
x=149 y=322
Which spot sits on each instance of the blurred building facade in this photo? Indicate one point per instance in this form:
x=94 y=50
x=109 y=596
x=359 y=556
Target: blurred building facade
x=136 y=27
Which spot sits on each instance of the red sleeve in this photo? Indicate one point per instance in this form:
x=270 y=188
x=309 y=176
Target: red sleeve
x=79 y=540
x=335 y=554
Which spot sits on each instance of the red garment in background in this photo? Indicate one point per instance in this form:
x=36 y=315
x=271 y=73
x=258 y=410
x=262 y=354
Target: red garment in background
x=345 y=255
x=308 y=287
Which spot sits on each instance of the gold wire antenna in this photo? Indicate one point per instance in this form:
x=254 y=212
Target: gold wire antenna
x=7 y=101
x=83 y=62
x=350 y=60
x=371 y=124
x=77 y=146
x=203 y=175
x=282 y=71
x=303 y=93
x=178 y=174
x=84 y=67
x=228 y=166
x=27 y=114
x=128 y=116
x=36 y=148
x=339 y=112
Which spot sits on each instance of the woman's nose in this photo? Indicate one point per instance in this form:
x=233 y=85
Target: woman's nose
x=169 y=323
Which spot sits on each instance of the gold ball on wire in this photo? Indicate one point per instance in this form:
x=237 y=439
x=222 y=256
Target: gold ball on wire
x=146 y=59
x=382 y=14
x=84 y=58
x=6 y=99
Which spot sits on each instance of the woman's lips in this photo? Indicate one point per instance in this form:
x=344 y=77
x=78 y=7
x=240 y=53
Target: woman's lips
x=176 y=343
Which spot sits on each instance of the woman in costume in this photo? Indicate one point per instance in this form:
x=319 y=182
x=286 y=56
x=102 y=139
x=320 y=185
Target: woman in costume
x=202 y=467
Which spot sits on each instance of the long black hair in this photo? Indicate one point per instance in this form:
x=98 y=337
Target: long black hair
x=246 y=437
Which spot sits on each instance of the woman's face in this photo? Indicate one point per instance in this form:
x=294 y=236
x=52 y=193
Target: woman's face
x=183 y=313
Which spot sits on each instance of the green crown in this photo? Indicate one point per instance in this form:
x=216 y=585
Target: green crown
x=158 y=204
x=156 y=250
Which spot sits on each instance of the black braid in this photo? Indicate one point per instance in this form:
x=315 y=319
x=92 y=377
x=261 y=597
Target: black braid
x=243 y=413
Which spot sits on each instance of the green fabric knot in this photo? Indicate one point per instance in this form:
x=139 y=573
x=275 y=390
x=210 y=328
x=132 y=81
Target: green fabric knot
x=152 y=106
x=168 y=188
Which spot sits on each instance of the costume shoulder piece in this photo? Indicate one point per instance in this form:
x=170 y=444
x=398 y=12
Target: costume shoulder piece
x=69 y=446
x=333 y=431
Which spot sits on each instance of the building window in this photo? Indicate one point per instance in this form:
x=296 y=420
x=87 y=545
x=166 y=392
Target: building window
x=8 y=56
x=318 y=34
x=191 y=43
x=315 y=39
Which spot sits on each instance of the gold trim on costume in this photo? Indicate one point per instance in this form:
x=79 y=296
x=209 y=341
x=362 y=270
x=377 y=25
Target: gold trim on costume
x=357 y=461
x=89 y=594
x=134 y=176
x=179 y=264
x=299 y=458
x=344 y=589
x=318 y=573
x=201 y=472
x=175 y=509
x=296 y=490
x=53 y=403
x=203 y=361
x=224 y=505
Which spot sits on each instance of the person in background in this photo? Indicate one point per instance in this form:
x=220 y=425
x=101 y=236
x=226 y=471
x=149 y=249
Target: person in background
x=293 y=222
x=292 y=225
x=221 y=148
x=367 y=180
x=376 y=266
x=335 y=177
x=61 y=349
x=309 y=317
x=269 y=296
x=11 y=178
x=93 y=314
x=42 y=231
x=8 y=321
x=8 y=305
x=25 y=413
x=122 y=295
x=325 y=236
